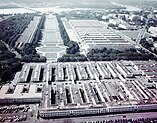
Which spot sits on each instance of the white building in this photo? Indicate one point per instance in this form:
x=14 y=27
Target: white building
x=153 y=31
x=19 y=96
x=95 y=34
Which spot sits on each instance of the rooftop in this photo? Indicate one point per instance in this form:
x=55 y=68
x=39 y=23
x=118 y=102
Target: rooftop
x=93 y=33
x=84 y=84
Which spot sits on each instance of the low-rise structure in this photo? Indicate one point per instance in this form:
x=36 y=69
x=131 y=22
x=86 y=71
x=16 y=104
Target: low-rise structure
x=153 y=31
x=20 y=94
x=84 y=88
x=95 y=34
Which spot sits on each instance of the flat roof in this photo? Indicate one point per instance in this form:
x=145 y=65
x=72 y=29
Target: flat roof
x=18 y=92
x=84 y=86
x=94 y=33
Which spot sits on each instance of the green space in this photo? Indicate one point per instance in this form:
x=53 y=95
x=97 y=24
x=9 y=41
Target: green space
x=9 y=64
x=131 y=33
x=104 y=54
x=13 y=27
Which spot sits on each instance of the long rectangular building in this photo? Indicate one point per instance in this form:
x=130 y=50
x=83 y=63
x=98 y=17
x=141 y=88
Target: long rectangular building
x=95 y=34
x=77 y=88
x=20 y=94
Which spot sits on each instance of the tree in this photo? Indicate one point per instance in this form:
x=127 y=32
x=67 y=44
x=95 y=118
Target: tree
x=6 y=75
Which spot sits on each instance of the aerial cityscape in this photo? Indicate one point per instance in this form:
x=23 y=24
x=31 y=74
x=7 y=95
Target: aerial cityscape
x=69 y=61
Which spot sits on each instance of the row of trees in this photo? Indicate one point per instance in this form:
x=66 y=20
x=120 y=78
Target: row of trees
x=12 y=28
x=10 y=31
x=148 y=44
x=105 y=54
x=72 y=58
x=9 y=64
x=38 y=33
x=73 y=47
x=29 y=53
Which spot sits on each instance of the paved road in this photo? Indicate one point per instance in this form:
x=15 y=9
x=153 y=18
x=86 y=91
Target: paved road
x=101 y=118
x=147 y=50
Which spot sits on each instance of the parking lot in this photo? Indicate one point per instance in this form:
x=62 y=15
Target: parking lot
x=15 y=113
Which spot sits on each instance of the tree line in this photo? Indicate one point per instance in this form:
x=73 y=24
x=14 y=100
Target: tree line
x=9 y=64
x=73 y=47
x=28 y=52
x=104 y=54
x=72 y=58
x=10 y=31
x=13 y=27
x=149 y=44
